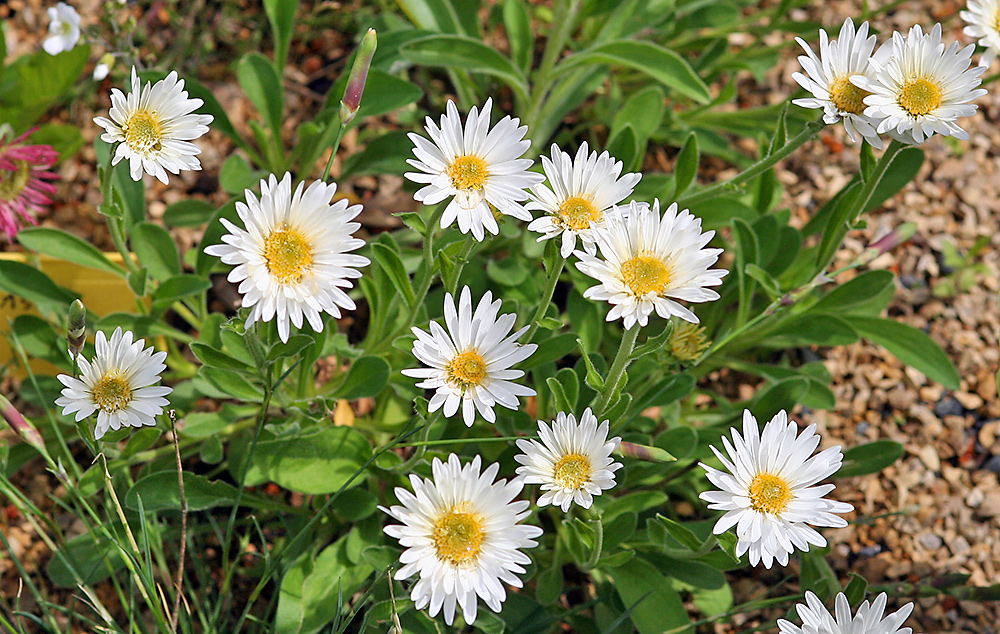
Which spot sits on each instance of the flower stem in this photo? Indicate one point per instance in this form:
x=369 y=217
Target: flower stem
x=460 y=262
x=341 y=128
x=595 y=554
x=622 y=359
x=550 y=288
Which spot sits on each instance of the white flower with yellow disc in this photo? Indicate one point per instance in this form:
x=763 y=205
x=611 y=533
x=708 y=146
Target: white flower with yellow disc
x=817 y=619
x=572 y=462
x=650 y=262
x=983 y=20
x=292 y=260
x=770 y=493
x=478 y=166
x=118 y=384
x=470 y=362
x=153 y=127
x=462 y=536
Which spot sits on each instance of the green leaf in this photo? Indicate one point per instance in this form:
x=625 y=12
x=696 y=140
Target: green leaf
x=855 y=590
x=156 y=250
x=626 y=146
x=870 y=458
x=660 y=63
x=66 y=246
x=765 y=279
x=63 y=137
x=388 y=259
x=91 y=555
x=180 y=286
x=36 y=81
x=433 y=15
x=902 y=170
x=263 y=87
x=911 y=346
x=686 y=168
x=680 y=533
x=231 y=384
x=463 y=53
x=643 y=111
x=367 y=377
x=188 y=213
x=31 y=284
x=288 y=349
x=137 y=281
x=552 y=349
x=211 y=105
x=40 y=340
x=236 y=175
x=384 y=93
x=858 y=291
x=203 y=424
x=655 y=605
x=218 y=359
x=385 y=154
x=780 y=395
x=281 y=14
x=517 y=23
x=316 y=463
x=813 y=328
x=160 y=492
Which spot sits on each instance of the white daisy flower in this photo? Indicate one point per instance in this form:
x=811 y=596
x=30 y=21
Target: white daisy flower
x=64 y=29
x=470 y=362
x=983 y=19
x=919 y=87
x=153 y=126
x=461 y=534
x=572 y=463
x=769 y=492
x=828 y=78
x=816 y=619
x=582 y=190
x=118 y=384
x=649 y=262
x=292 y=260
x=478 y=166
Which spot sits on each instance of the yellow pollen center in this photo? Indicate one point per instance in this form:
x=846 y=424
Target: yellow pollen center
x=112 y=393
x=576 y=213
x=468 y=173
x=572 y=471
x=769 y=493
x=288 y=255
x=848 y=97
x=12 y=183
x=458 y=536
x=645 y=274
x=466 y=368
x=143 y=131
x=919 y=96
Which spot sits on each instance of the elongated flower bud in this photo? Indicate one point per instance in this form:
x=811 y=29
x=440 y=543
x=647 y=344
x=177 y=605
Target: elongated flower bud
x=20 y=424
x=890 y=241
x=76 y=327
x=356 y=80
x=643 y=452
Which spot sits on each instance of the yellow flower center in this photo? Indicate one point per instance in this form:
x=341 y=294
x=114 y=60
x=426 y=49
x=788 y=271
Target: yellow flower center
x=576 y=213
x=769 y=493
x=143 y=131
x=466 y=368
x=848 y=97
x=919 y=96
x=572 y=471
x=645 y=274
x=458 y=536
x=468 y=173
x=12 y=183
x=112 y=393
x=288 y=255
x=687 y=341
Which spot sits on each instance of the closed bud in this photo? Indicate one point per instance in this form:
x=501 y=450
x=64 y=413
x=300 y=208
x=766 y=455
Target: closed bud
x=76 y=327
x=646 y=453
x=890 y=241
x=20 y=424
x=687 y=341
x=356 y=80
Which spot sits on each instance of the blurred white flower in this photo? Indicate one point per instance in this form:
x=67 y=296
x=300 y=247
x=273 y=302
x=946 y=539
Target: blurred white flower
x=64 y=29
x=153 y=127
x=462 y=536
x=572 y=462
x=816 y=619
x=103 y=66
x=478 y=166
x=770 y=493
x=470 y=362
x=118 y=384
x=292 y=259
x=650 y=262
x=920 y=88
x=828 y=78
x=983 y=19
x=582 y=190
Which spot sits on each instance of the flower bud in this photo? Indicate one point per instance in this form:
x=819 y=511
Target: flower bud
x=890 y=241
x=20 y=424
x=356 y=80
x=76 y=327
x=643 y=452
x=687 y=341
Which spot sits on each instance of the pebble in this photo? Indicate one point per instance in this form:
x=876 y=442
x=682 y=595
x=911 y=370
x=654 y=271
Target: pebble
x=959 y=546
x=948 y=406
x=930 y=541
x=975 y=498
x=992 y=464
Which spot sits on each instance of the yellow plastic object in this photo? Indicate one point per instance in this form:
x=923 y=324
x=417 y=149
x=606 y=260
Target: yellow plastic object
x=102 y=293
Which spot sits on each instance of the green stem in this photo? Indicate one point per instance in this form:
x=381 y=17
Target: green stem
x=341 y=128
x=595 y=554
x=463 y=258
x=622 y=359
x=460 y=441
x=563 y=22
x=550 y=288
x=756 y=169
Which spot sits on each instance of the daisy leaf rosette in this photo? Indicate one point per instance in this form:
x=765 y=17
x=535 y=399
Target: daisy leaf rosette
x=580 y=191
x=647 y=262
x=469 y=364
x=292 y=261
x=118 y=384
x=462 y=535
x=769 y=489
x=817 y=619
x=477 y=166
x=828 y=77
x=572 y=462
x=153 y=126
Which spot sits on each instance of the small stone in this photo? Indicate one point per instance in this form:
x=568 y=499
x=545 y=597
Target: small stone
x=975 y=498
x=990 y=506
x=992 y=464
x=968 y=400
x=959 y=546
x=930 y=541
x=948 y=406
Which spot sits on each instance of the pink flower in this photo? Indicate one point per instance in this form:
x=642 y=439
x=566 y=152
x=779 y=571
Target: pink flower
x=24 y=170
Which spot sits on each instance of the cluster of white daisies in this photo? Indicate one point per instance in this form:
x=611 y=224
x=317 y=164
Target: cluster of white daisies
x=462 y=529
